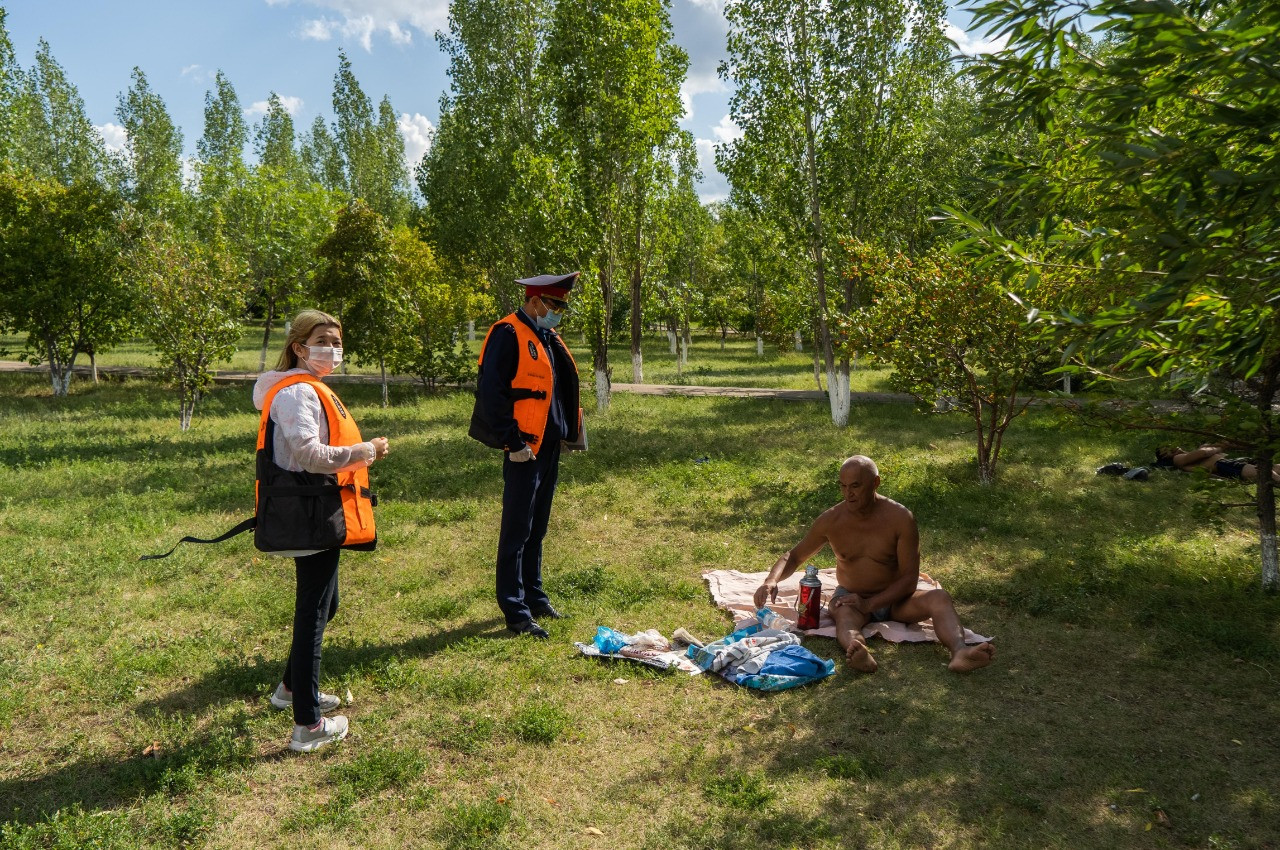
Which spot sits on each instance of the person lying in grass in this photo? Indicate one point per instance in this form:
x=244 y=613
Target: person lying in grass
x=877 y=548
x=1214 y=459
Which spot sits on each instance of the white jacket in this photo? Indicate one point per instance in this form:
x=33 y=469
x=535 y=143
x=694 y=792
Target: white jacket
x=302 y=432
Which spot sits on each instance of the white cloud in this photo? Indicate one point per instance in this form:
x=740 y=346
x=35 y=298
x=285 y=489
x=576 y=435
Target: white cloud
x=970 y=44
x=714 y=186
x=318 y=30
x=416 y=130
x=696 y=83
x=291 y=104
x=726 y=130
x=361 y=20
x=190 y=69
x=113 y=136
x=716 y=6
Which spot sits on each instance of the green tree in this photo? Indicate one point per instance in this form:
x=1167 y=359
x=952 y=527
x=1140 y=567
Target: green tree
x=54 y=139
x=221 y=149
x=496 y=190
x=371 y=147
x=615 y=77
x=280 y=224
x=827 y=94
x=64 y=284
x=11 y=85
x=1175 y=126
x=359 y=278
x=275 y=142
x=438 y=304
x=153 y=162
x=954 y=338
x=192 y=307
x=321 y=158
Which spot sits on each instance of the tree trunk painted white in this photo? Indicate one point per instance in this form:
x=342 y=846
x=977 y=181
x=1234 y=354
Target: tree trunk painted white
x=288 y=326
x=471 y=331
x=637 y=368
x=799 y=342
x=759 y=346
x=382 y=364
x=1270 y=563
x=671 y=340
x=602 y=391
x=684 y=350
x=93 y=366
x=838 y=394
x=1066 y=384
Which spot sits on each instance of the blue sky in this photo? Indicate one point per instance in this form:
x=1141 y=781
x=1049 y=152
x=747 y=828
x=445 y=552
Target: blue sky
x=291 y=47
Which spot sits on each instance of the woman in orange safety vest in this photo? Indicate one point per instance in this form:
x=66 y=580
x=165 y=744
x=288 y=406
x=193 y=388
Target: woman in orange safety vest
x=313 y=501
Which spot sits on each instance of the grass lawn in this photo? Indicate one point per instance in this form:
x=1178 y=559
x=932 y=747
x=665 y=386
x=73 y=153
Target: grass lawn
x=734 y=364
x=1133 y=702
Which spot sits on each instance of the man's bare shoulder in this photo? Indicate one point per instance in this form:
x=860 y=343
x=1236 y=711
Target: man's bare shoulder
x=894 y=510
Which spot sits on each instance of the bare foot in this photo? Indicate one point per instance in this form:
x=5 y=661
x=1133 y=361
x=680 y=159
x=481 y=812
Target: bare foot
x=969 y=658
x=859 y=658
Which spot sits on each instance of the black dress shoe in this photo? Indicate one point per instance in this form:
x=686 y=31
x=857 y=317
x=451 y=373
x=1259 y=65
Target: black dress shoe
x=548 y=613
x=528 y=627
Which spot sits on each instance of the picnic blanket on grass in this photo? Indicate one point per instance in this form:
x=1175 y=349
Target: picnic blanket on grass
x=733 y=591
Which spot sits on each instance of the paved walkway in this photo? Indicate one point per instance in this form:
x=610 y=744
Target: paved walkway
x=635 y=389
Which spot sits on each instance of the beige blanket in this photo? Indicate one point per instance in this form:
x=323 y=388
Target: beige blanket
x=733 y=591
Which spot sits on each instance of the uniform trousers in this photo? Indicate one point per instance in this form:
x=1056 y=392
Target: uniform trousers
x=528 y=489
x=314 y=605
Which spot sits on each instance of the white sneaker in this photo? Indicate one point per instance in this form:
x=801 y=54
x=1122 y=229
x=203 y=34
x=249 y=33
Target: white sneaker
x=331 y=729
x=283 y=699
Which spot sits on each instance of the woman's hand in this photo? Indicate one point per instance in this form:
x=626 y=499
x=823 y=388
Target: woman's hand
x=379 y=447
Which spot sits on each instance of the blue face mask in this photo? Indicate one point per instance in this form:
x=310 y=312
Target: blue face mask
x=548 y=321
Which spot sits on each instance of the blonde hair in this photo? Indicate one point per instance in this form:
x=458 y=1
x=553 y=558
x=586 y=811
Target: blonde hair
x=300 y=331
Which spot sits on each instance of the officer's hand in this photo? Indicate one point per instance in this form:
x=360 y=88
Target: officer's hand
x=767 y=592
x=521 y=456
x=379 y=447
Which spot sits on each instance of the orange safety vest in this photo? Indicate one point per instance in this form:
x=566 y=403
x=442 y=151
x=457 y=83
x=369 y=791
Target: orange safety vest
x=297 y=511
x=310 y=510
x=532 y=386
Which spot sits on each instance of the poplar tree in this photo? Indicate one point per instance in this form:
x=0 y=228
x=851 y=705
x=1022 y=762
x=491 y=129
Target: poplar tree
x=616 y=78
x=831 y=96
x=152 y=173
x=496 y=190
x=275 y=141
x=221 y=148
x=321 y=158
x=10 y=91
x=55 y=139
x=370 y=146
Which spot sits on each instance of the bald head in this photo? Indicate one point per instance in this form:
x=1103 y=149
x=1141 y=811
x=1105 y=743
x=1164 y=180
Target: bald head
x=861 y=462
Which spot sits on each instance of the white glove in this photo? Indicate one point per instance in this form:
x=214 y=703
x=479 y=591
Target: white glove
x=521 y=456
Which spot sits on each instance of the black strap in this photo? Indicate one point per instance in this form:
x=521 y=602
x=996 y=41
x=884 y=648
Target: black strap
x=246 y=525
x=301 y=489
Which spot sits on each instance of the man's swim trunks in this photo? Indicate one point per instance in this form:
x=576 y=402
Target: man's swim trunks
x=1231 y=467
x=877 y=616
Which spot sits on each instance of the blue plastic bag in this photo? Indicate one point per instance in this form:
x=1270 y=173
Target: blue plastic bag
x=607 y=640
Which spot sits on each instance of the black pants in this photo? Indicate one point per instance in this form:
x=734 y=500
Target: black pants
x=314 y=606
x=528 y=489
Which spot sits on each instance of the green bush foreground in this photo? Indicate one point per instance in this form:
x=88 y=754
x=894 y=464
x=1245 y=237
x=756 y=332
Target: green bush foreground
x=1132 y=703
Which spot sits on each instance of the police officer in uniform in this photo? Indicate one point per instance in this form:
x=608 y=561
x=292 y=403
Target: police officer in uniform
x=526 y=404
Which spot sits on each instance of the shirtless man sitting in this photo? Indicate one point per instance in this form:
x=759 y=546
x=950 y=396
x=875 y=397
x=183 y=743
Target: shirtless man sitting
x=877 y=547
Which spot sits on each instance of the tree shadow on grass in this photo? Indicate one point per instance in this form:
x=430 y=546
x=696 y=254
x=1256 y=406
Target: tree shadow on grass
x=108 y=782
